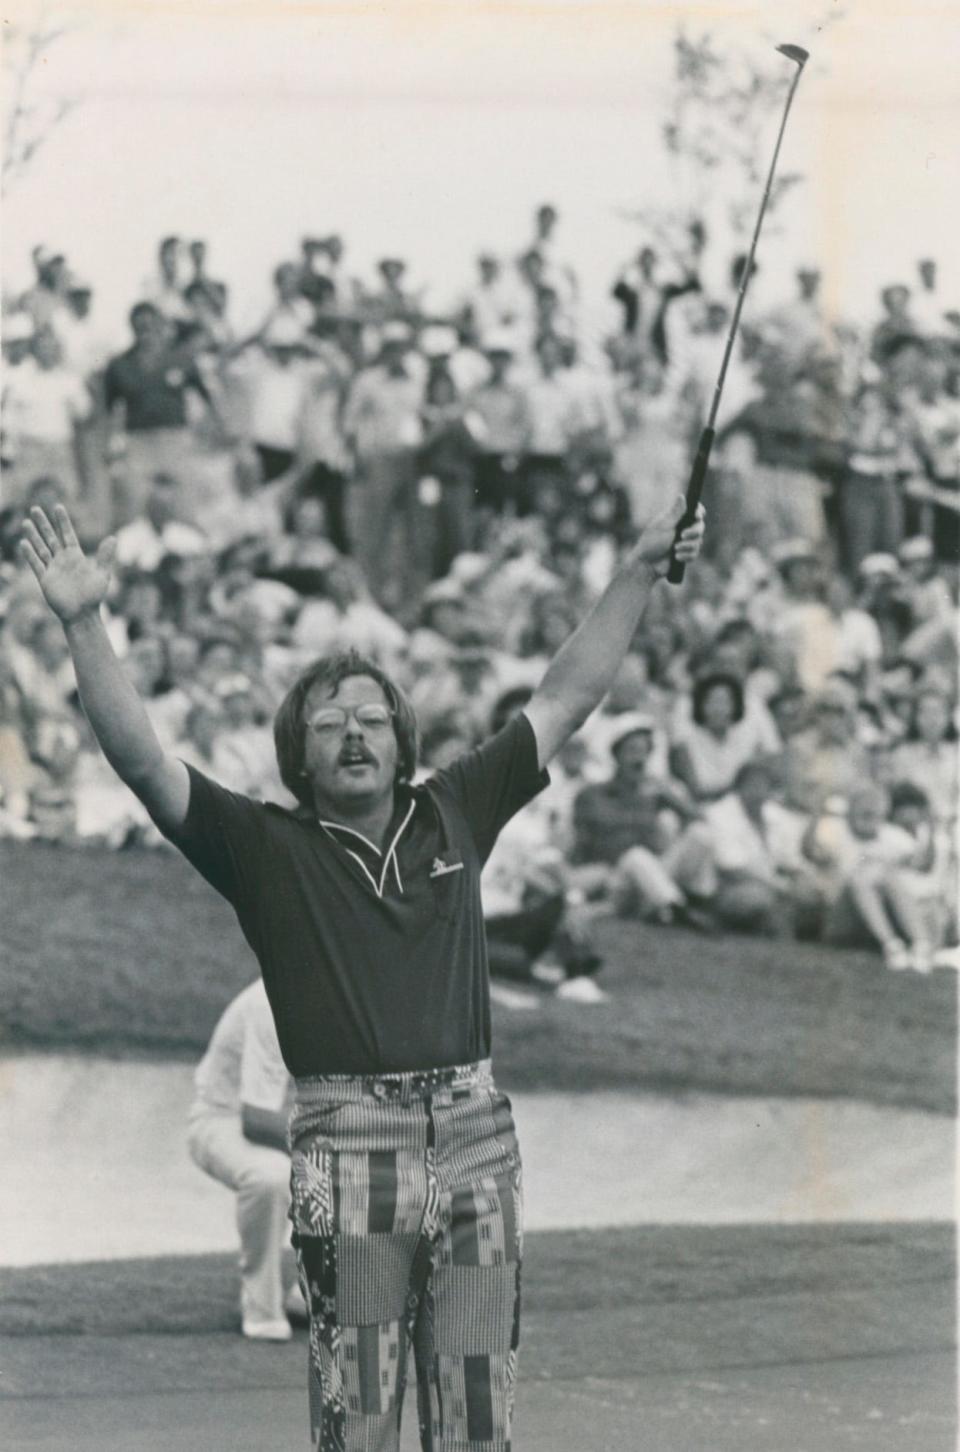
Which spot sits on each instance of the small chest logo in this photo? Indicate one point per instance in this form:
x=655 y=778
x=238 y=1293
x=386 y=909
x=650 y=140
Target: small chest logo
x=440 y=868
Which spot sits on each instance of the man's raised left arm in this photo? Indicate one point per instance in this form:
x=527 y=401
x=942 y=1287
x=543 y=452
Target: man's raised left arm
x=585 y=666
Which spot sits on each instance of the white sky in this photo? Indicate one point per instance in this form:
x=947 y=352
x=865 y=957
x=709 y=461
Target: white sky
x=434 y=128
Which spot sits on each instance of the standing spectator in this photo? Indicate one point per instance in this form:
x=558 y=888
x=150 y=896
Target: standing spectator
x=44 y=301
x=556 y=418
x=43 y=403
x=165 y=288
x=638 y=293
x=447 y=465
x=277 y=385
x=289 y=306
x=896 y=324
x=502 y=405
x=238 y=1134
x=381 y=421
x=145 y=394
x=200 y=278
x=491 y=304
x=928 y=305
x=871 y=495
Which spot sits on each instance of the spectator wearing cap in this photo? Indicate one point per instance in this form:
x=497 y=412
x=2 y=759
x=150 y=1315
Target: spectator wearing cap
x=627 y=809
x=382 y=424
x=870 y=901
x=146 y=390
x=43 y=403
x=716 y=734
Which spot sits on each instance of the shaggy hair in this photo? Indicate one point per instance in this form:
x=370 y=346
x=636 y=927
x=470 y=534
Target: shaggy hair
x=289 y=726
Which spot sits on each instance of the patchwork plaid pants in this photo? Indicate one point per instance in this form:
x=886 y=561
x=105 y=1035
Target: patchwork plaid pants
x=406 y=1210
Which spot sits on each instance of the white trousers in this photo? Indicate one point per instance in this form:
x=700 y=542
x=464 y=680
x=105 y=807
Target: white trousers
x=260 y=1178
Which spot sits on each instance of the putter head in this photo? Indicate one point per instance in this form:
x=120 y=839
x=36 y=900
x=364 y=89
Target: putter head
x=796 y=53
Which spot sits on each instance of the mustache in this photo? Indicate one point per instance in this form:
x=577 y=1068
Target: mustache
x=354 y=753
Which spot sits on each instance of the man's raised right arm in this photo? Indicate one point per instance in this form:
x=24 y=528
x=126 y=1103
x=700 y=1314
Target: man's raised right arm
x=74 y=586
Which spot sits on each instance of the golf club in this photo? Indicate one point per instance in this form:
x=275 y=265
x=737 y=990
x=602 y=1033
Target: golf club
x=698 y=474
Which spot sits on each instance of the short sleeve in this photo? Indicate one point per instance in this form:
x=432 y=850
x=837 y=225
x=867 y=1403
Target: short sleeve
x=222 y=837
x=491 y=783
x=264 y=1080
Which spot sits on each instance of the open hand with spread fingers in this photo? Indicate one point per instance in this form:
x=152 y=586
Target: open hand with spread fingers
x=73 y=583
x=656 y=543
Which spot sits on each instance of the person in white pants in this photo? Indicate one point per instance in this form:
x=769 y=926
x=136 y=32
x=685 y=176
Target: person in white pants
x=238 y=1134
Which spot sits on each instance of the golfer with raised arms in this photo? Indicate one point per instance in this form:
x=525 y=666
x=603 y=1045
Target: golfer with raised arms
x=362 y=906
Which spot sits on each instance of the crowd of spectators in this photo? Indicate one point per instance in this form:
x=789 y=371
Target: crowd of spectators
x=446 y=491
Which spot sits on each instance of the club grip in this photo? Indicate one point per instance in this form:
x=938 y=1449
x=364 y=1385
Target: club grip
x=698 y=474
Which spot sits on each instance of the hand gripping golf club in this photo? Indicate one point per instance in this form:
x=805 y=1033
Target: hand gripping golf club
x=698 y=474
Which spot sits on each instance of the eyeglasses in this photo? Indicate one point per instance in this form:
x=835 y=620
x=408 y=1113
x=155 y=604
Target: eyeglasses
x=334 y=718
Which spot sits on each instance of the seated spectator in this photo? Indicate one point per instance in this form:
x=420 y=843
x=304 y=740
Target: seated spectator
x=238 y=1134
x=346 y=615
x=923 y=587
x=718 y=736
x=631 y=808
x=827 y=760
x=860 y=856
x=734 y=865
x=144 y=542
x=928 y=757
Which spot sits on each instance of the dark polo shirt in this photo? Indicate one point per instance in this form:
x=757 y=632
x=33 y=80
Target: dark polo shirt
x=155 y=396
x=372 y=961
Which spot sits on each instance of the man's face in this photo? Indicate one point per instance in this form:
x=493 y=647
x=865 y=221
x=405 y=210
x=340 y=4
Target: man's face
x=349 y=763
x=633 y=754
x=833 y=723
x=866 y=814
x=148 y=327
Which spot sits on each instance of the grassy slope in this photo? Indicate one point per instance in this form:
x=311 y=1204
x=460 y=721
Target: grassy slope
x=597 y=1303
x=132 y=952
